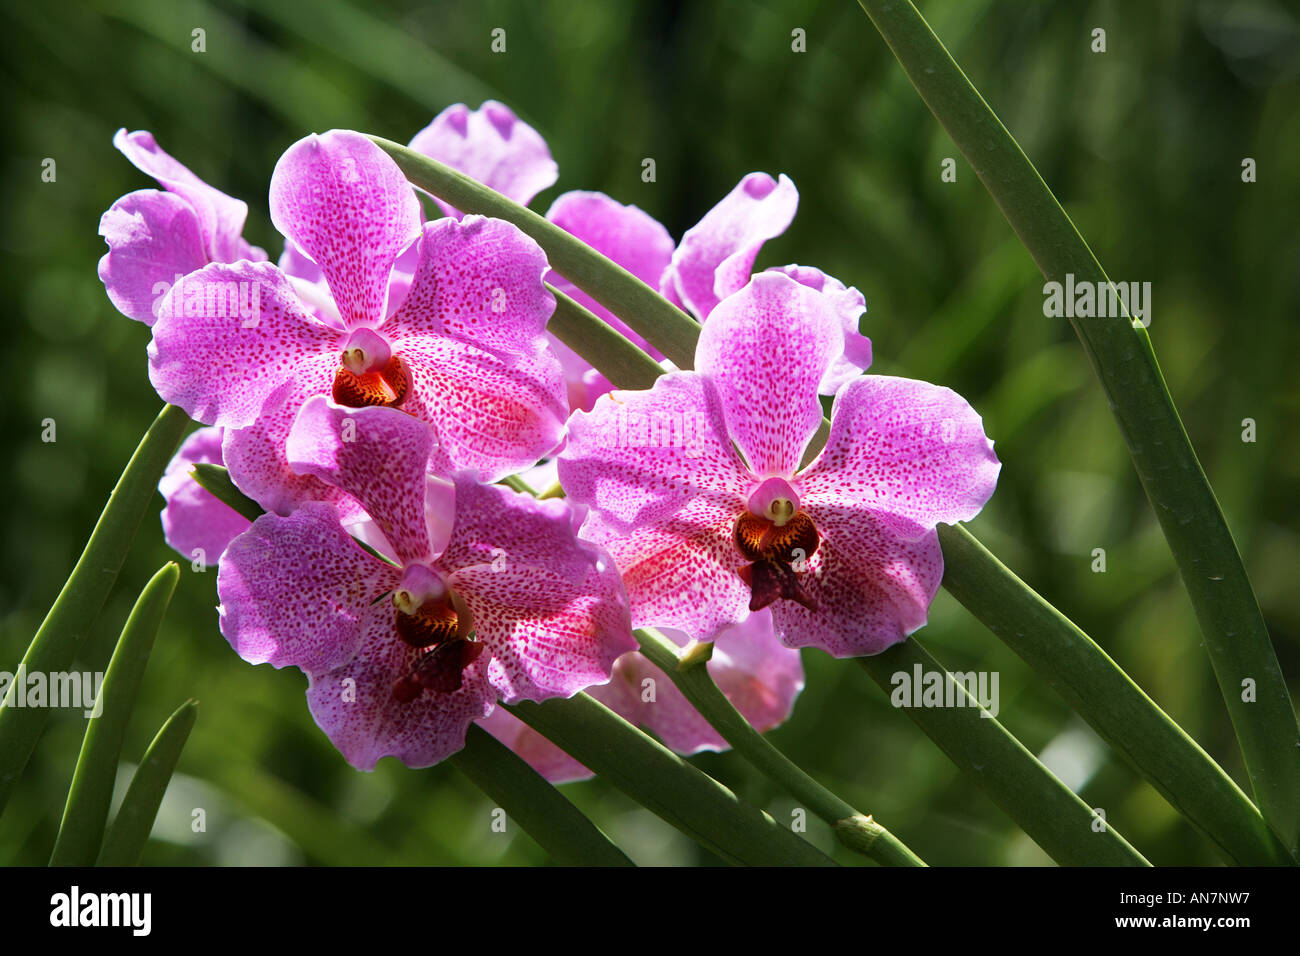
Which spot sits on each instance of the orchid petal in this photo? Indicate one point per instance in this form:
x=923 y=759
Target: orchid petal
x=229 y=335
x=716 y=256
x=153 y=238
x=345 y=204
x=849 y=304
x=907 y=448
x=766 y=348
x=296 y=591
x=873 y=578
x=378 y=456
x=638 y=457
x=220 y=217
x=355 y=707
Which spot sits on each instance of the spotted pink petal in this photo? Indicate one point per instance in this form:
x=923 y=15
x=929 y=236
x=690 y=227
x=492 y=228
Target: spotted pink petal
x=195 y=523
x=295 y=591
x=639 y=456
x=478 y=281
x=538 y=752
x=492 y=145
x=376 y=455
x=346 y=205
x=765 y=349
x=488 y=414
x=548 y=605
x=229 y=335
x=355 y=707
x=153 y=238
x=220 y=217
x=681 y=572
x=716 y=256
x=255 y=454
x=906 y=448
x=872 y=576
x=849 y=305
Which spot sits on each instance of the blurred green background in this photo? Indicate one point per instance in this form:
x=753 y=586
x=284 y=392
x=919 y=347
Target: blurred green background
x=1143 y=144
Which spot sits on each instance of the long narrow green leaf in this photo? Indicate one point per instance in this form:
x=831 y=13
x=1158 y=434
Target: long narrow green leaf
x=134 y=821
x=541 y=810
x=667 y=785
x=609 y=351
x=1105 y=696
x=858 y=831
x=216 y=481
x=1046 y=809
x=1121 y=354
x=78 y=604
x=82 y=830
x=646 y=312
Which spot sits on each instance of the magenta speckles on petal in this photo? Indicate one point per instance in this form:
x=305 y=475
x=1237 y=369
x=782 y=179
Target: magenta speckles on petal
x=905 y=448
x=343 y=202
x=766 y=349
x=229 y=335
x=377 y=455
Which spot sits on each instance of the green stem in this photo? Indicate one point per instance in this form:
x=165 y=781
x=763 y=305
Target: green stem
x=134 y=821
x=543 y=813
x=82 y=829
x=646 y=312
x=1099 y=690
x=65 y=627
x=1046 y=809
x=667 y=785
x=858 y=831
x=1120 y=352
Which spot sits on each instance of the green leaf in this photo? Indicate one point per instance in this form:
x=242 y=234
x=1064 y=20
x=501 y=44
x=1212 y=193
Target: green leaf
x=1121 y=354
x=858 y=831
x=82 y=829
x=215 y=480
x=65 y=627
x=667 y=785
x=1046 y=809
x=529 y=800
x=646 y=312
x=1105 y=696
x=134 y=821
x=609 y=351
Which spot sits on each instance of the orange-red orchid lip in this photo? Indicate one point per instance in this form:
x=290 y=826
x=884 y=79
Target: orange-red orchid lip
x=387 y=387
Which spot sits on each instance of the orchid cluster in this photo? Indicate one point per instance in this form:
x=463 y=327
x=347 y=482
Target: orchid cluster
x=385 y=389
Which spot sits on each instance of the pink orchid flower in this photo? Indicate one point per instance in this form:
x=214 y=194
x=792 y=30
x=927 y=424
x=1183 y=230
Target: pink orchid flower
x=714 y=259
x=155 y=236
x=236 y=346
x=698 y=493
x=482 y=594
